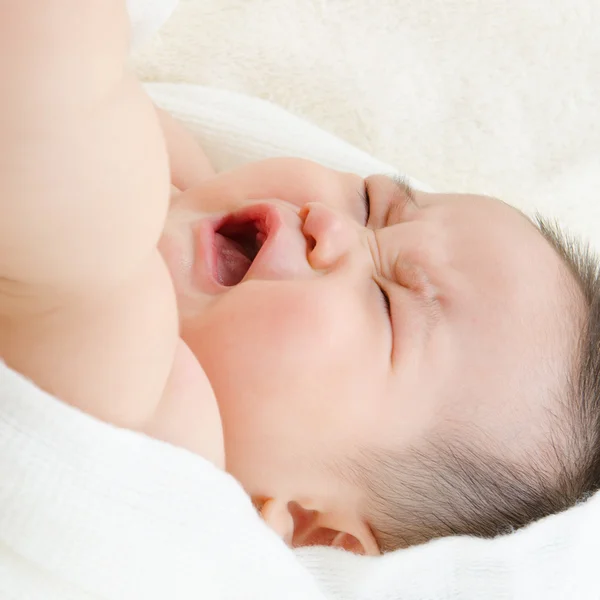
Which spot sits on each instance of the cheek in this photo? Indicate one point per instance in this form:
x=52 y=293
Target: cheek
x=289 y=355
x=266 y=333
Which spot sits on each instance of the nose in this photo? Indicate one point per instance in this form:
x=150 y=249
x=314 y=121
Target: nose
x=330 y=235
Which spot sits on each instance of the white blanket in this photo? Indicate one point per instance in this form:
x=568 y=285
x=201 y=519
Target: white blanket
x=89 y=511
x=492 y=96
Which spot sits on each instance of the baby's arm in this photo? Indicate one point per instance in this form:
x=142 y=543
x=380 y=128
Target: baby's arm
x=84 y=172
x=87 y=308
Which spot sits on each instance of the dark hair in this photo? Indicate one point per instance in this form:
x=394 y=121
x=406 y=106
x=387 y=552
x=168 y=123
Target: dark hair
x=456 y=488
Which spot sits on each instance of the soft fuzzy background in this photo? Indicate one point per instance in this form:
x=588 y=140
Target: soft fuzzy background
x=493 y=96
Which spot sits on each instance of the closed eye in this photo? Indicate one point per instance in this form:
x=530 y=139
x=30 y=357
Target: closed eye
x=366 y=201
x=386 y=302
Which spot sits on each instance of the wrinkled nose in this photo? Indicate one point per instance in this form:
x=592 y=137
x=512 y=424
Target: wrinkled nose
x=329 y=233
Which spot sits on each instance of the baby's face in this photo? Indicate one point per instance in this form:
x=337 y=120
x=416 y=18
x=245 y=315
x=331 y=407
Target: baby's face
x=345 y=332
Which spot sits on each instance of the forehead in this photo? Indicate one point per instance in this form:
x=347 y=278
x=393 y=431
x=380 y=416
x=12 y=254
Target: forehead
x=507 y=297
x=510 y=307
x=491 y=242
x=511 y=275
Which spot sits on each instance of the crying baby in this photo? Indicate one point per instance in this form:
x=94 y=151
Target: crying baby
x=376 y=365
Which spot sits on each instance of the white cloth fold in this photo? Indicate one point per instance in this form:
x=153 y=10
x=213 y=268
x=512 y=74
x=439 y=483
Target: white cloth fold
x=90 y=509
x=554 y=559
x=234 y=128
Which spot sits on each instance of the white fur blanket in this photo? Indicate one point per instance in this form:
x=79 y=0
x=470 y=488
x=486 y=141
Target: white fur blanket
x=492 y=96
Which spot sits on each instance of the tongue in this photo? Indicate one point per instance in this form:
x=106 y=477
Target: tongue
x=232 y=263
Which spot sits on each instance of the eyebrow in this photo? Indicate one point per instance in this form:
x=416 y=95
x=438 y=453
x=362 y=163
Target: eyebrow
x=404 y=195
x=408 y=196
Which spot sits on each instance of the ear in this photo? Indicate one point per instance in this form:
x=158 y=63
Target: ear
x=299 y=526
x=276 y=515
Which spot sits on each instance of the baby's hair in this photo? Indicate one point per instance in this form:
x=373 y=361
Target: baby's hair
x=459 y=488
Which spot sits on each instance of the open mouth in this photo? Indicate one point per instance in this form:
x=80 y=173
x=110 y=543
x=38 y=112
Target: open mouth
x=238 y=240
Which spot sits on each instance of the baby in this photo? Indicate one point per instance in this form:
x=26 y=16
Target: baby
x=376 y=365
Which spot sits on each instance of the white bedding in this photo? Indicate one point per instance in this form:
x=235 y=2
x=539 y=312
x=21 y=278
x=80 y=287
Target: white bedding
x=493 y=96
